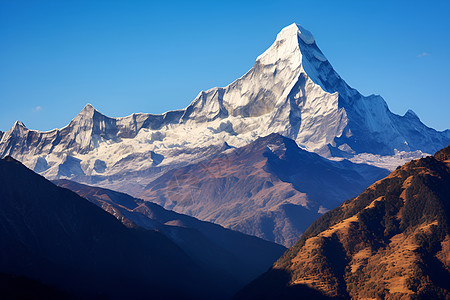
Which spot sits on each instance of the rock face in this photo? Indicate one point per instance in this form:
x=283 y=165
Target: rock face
x=51 y=235
x=292 y=90
x=390 y=242
x=270 y=188
x=240 y=258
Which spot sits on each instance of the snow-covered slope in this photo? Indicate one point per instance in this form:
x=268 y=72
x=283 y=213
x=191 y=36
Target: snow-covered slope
x=292 y=89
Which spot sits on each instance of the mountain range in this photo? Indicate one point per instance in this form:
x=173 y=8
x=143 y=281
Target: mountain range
x=240 y=258
x=292 y=90
x=197 y=203
x=61 y=240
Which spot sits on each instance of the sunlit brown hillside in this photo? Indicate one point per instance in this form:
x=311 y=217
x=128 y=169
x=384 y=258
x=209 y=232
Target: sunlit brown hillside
x=390 y=242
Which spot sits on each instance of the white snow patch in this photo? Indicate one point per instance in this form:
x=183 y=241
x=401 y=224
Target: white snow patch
x=388 y=162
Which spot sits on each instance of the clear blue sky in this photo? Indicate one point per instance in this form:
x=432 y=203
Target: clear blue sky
x=143 y=56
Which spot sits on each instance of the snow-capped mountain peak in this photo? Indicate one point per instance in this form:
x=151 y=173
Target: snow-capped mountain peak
x=17 y=130
x=291 y=90
x=19 y=124
x=87 y=110
x=296 y=45
x=286 y=46
x=88 y=114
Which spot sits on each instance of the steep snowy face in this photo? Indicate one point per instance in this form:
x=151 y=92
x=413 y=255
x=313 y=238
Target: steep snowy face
x=367 y=124
x=91 y=144
x=278 y=95
x=292 y=90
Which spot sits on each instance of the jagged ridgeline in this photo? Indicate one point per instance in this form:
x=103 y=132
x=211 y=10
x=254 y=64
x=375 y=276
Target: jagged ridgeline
x=292 y=90
x=265 y=155
x=390 y=242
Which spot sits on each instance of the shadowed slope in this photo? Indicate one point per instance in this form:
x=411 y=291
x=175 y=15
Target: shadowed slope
x=236 y=257
x=23 y=288
x=51 y=234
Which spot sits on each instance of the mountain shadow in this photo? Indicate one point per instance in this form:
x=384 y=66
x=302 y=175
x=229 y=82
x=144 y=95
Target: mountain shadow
x=51 y=235
x=234 y=257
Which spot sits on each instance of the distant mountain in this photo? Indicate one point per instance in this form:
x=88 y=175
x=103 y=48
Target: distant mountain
x=239 y=258
x=270 y=188
x=292 y=90
x=53 y=236
x=390 y=242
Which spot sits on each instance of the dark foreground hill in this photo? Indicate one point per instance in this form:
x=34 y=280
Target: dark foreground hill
x=390 y=242
x=237 y=258
x=53 y=236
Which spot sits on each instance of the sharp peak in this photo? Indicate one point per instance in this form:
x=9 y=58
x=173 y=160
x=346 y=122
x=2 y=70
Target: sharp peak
x=88 y=107
x=89 y=110
x=411 y=113
x=294 y=30
x=19 y=123
x=294 y=26
x=290 y=44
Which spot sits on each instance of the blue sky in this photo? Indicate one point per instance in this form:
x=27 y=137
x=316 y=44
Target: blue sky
x=143 y=56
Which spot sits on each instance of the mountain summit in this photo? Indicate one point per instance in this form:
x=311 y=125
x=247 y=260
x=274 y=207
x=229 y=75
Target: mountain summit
x=291 y=90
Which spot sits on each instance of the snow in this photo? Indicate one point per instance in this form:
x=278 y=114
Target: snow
x=305 y=35
x=292 y=90
x=390 y=162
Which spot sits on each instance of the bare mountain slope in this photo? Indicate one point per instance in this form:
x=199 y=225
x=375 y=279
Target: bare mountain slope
x=270 y=188
x=390 y=242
